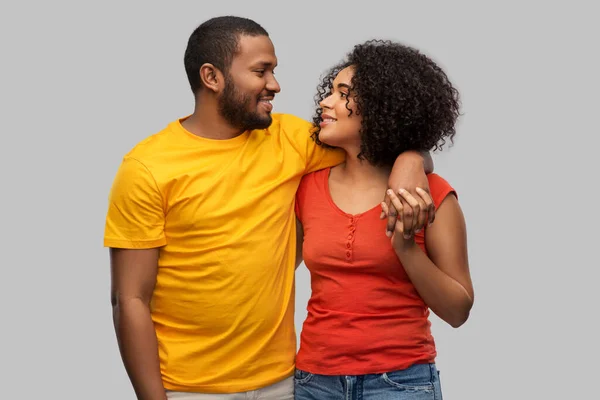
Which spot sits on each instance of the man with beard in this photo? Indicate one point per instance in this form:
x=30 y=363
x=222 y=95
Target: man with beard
x=201 y=229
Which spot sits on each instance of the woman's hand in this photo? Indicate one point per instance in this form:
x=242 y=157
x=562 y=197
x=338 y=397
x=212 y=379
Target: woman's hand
x=407 y=215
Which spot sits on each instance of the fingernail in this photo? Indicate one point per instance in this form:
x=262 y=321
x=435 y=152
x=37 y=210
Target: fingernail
x=388 y=233
x=401 y=191
x=389 y=191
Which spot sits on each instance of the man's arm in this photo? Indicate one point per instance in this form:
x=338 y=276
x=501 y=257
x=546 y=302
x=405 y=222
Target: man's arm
x=427 y=162
x=409 y=172
x=133 y=277
x=316 y=157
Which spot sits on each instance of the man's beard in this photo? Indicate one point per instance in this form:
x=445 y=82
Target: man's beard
x=234 y=107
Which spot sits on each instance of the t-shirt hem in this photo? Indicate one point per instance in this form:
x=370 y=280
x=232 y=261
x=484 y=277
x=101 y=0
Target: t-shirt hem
x=134 y=244
x=367 y=370
x=226 y=389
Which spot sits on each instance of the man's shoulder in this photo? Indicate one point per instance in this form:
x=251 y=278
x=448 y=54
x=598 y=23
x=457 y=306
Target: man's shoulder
x=288 y=122
x=151 y=145
x=295 y=129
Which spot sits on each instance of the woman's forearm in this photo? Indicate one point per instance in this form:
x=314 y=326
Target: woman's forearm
x=446 y=297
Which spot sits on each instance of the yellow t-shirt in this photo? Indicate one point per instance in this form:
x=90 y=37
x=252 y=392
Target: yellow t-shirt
x=222 y=212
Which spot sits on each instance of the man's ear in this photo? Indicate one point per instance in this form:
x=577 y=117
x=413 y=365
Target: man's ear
x=211 y=78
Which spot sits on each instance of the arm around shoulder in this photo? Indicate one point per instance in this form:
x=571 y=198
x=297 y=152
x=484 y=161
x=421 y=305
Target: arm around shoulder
x=409 y=172
x=315 y=156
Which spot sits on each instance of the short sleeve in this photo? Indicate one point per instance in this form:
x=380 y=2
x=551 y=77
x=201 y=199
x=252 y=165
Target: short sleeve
x=316 y=157
x=439 y=189
x=135 y=217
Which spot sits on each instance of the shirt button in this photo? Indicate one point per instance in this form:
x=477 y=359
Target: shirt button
x=348 y=254
x=349 y=236
x=348 y=245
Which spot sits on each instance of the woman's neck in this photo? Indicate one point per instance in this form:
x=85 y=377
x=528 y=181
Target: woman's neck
x=361 y=172
x=356 y=185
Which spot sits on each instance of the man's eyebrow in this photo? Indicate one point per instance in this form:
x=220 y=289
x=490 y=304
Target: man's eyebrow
x=265 y=64
x=344 y=85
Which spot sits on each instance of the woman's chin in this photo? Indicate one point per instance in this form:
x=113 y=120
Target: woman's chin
x=329 y=138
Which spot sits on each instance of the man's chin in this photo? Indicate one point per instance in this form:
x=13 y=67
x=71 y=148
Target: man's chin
x=260 y=123
x=268 y=120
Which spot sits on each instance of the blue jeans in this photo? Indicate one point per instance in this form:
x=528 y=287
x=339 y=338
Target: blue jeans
x=418 y=382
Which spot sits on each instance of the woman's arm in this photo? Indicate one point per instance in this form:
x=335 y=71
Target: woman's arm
x=443 y=279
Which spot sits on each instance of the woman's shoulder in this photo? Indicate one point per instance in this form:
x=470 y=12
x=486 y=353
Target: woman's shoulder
x=312 y=183
x=439 y=188
x=316 y=178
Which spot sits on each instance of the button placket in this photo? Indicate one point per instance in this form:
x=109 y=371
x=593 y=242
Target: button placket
x=350 y=238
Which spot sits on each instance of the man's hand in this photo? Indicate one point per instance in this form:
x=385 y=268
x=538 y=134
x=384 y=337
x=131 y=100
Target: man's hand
x=409 y=173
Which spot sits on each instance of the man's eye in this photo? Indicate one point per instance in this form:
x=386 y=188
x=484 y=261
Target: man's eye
x=343 y=95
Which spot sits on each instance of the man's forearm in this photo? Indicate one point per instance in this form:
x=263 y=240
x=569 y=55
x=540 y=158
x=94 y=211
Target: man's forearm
x=409 y=172
x=423 y=157
x=139 y=348
x=427 y=162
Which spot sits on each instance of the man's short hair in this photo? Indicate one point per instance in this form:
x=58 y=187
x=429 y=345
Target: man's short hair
x=216 y=42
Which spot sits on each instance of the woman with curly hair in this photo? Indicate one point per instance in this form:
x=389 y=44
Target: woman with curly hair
x=367 y=333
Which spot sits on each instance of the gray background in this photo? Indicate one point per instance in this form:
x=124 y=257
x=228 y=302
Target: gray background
x=82 y=82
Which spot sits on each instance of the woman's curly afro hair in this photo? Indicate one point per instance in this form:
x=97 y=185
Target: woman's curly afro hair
x=405 y=100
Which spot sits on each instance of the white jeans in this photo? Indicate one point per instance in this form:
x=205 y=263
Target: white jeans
x=283 y=390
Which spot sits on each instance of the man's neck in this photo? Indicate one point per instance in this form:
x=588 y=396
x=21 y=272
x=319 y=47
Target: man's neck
x=206 y=122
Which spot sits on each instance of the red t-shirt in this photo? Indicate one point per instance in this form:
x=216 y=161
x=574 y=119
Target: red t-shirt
x=364 y=314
